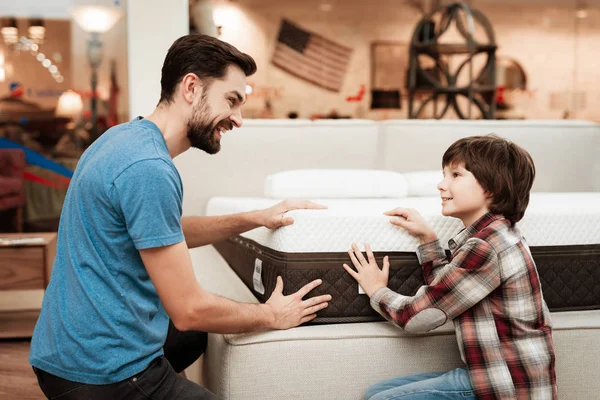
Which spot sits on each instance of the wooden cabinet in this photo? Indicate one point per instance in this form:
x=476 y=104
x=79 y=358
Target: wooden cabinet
x=28 y=265
x=23 y=267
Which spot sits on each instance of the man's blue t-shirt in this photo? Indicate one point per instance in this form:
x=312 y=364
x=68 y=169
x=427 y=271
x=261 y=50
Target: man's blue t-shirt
x=102 y=320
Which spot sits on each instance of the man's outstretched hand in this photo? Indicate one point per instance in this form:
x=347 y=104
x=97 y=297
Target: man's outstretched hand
x=274 y=217
x=290 y=311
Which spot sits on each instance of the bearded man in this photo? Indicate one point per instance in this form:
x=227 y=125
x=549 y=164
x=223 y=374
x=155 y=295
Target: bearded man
x=122 y=284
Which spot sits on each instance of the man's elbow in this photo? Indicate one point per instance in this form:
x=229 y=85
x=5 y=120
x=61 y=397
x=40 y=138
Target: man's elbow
x=185 y=317
x=182 y=319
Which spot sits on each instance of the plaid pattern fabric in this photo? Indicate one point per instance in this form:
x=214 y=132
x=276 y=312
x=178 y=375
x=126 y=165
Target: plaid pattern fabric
x=490 y=288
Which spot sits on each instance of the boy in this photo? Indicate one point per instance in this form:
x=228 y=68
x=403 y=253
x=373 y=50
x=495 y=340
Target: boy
x=489 y=286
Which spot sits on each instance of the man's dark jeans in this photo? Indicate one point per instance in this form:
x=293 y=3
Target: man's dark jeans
x=160 y=380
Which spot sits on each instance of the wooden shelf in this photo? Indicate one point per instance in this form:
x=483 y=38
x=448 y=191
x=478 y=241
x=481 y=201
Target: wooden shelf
x=453 y=48
x=18 y=324
x=26 y=265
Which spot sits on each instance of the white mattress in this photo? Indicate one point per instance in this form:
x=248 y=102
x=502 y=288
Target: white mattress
x=551 y=219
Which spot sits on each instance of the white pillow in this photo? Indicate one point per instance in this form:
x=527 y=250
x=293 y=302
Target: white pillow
x=423 y=183
x=335 y=183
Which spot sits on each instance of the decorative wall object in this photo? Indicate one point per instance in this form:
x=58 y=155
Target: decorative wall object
x=511 y=88
x=358 y=96
x=311 y=57
x=436 y=81
x=389 y=64
x=385 y=99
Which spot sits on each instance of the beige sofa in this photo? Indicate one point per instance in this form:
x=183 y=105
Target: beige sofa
x=565 y=152
x=340 y=361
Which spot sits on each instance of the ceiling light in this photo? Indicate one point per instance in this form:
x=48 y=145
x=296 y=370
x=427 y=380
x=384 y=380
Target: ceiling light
x=10 y=32
x=98 y=19
x=37 y=31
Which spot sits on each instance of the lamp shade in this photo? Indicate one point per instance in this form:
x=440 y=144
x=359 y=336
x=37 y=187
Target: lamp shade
x=37 y=31
x=69 y=104
x=97 y=19
x=10 y=32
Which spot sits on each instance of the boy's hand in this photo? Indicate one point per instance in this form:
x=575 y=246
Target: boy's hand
x=274 y=217
x=367 y=273
x=413 y=222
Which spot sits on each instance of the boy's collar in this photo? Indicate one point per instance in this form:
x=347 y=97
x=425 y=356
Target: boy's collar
x=471 y=230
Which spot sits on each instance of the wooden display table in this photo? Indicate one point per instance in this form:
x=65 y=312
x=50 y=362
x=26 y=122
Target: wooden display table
x=24 y=266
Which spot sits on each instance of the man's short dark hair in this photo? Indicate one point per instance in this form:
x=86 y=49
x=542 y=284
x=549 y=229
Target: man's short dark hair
x=502 y=168
x=205 y=56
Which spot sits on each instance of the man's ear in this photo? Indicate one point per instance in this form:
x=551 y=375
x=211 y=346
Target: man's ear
x=190 y=87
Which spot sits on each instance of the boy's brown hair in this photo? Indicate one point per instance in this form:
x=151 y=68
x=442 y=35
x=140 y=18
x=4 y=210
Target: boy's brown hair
x=502 y=168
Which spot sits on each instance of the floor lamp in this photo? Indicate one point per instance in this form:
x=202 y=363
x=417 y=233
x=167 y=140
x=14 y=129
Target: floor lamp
x=95 y=20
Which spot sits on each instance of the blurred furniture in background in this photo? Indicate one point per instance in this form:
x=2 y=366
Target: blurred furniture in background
x=43 y=203
x=12 y=189
x=25 y=264
x=47 y=132
x=511 y=95
x=433 y=53
x=389 y=66
x=14 y=109
x=28 y=124
x=74 y=139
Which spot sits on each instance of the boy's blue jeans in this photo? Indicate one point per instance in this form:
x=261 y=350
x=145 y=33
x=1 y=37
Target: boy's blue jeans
x=432 y=385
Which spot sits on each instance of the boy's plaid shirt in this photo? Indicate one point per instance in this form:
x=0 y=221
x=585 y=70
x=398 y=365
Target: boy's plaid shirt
x=491 y=289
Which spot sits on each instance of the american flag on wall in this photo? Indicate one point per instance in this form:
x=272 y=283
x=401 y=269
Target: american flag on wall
x=311 y=57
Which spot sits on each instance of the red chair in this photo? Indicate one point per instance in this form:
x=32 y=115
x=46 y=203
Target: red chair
x=12 y=192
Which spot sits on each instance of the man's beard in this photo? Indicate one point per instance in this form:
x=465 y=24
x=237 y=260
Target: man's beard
x=201 y=130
